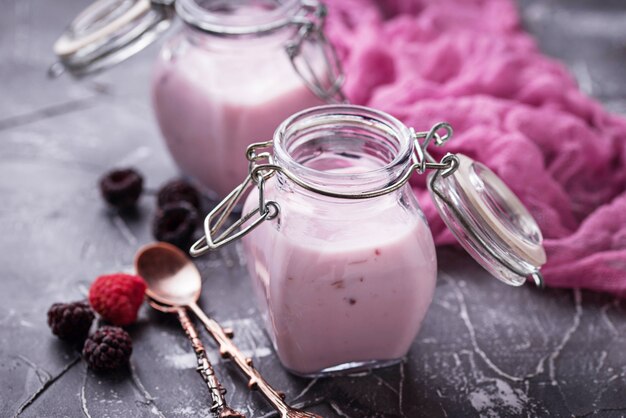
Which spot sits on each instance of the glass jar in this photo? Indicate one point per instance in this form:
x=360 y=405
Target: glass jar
x=232 y=73
x=343 y=283
x=339 y=252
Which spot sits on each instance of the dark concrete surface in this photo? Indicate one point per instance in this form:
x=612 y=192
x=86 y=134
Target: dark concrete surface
x=485 y=349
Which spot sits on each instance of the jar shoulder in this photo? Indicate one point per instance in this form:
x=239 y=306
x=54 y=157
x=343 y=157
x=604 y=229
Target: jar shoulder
x=226 y=64
x=319 y=222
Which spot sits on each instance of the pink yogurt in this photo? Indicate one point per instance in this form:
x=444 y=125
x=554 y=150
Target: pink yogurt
x=211 y=104
x=341 y=284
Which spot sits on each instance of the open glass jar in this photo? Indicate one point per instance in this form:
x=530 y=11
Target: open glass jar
x=339 y=252
x=234 y=71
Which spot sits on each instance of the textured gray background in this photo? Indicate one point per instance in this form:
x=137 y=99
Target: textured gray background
x=485 y=349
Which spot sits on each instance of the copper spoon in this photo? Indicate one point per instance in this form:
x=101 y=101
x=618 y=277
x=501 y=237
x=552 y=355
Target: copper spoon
x=155 y=274
x=174 y=283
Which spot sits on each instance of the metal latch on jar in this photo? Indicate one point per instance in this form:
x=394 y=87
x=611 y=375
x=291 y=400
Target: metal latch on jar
x=311 y=29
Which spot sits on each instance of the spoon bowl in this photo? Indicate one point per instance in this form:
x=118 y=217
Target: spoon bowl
x=171 y=276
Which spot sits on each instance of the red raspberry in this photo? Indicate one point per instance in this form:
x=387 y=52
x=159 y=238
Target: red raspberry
x=117 y=297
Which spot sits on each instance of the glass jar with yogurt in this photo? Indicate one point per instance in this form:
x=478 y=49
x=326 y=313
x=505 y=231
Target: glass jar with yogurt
x=232 y=72
x=339 y=252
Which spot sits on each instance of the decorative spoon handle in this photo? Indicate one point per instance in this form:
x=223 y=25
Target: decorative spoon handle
x=218 y=405
x=256 y=382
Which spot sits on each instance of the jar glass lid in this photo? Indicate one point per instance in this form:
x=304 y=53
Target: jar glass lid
x=489 y=221
x=108 y=32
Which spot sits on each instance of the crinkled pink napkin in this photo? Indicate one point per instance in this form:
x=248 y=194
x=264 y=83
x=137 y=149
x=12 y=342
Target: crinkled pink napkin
x=468 y=62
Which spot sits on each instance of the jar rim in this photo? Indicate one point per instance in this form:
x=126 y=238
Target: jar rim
x=243 y=25
x=336 y=114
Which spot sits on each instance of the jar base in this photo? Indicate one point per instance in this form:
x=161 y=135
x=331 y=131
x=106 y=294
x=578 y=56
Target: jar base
x=349 y=368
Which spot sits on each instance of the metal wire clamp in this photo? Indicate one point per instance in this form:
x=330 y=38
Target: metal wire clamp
x=311 y=29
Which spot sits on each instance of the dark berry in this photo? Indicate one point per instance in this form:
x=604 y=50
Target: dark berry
x=121 y=188
x=70 y=321
x=175 y=223
x=179 y=191
x=108 y=348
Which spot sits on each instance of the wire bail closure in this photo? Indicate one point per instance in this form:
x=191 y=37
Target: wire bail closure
x=311 y=29
x=262 y=167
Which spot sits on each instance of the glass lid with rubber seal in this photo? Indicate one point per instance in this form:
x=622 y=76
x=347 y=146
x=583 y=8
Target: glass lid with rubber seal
x=108 y=32
x=489 y=221
x=484 y=215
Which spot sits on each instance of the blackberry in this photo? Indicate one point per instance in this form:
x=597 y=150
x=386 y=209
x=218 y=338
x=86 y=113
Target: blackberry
x=70 y=321
x=108 y=348
x=175 y=223
x=121 y=188
x=177 y=191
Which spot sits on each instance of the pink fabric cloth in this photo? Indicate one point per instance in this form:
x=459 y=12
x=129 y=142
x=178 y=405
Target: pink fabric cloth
x=468 y=62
